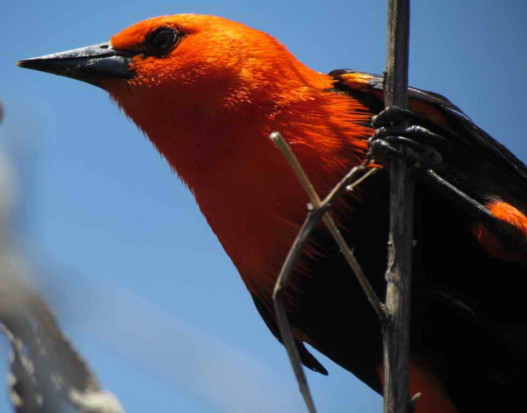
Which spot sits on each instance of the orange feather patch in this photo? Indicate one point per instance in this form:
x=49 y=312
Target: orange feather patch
x=507 y=213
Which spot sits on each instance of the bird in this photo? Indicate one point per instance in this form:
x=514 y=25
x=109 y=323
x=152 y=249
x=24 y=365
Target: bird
x=208 y=92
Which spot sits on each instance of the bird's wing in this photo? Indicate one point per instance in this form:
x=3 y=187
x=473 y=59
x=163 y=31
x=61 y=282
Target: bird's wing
x=473 y=291
x=438 y=111
x=473 y=162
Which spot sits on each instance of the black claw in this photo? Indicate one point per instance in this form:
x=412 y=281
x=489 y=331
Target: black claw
x=417 y=153
x=390 y=116
x=381 y=150
x=414 y=143
x=415 y=132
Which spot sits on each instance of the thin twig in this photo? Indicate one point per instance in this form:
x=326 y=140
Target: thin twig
x=317 y=204
x=396 y=331
x=318 y=210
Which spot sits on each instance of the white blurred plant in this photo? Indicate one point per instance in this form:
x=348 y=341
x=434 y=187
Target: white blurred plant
x=47 y=374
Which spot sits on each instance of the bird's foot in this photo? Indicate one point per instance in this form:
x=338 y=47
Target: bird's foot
x=414 y=143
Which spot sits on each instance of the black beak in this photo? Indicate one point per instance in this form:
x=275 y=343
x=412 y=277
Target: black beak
x=89 y=64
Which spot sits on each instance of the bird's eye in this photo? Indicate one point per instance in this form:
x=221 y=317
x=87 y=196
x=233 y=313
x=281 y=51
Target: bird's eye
x=161 y=41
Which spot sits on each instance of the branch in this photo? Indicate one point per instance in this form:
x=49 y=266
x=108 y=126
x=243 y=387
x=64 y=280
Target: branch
x=396 y=331
x=318 y=211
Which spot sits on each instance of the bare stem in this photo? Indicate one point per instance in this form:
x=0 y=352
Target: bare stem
x=396 y=330
x=319 y=210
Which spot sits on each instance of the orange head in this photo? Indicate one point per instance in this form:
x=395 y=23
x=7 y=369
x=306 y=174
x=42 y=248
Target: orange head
x=194 y=54
x=203 y=79
x=193 y=78
x=208 y=92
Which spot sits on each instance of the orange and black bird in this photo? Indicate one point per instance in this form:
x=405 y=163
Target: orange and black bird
x=208 y=92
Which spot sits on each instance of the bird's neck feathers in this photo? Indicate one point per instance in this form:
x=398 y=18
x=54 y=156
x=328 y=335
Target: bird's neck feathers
x=217 y=141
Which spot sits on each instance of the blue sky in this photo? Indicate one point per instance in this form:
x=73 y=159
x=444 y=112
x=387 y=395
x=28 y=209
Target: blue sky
x=138 y=280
